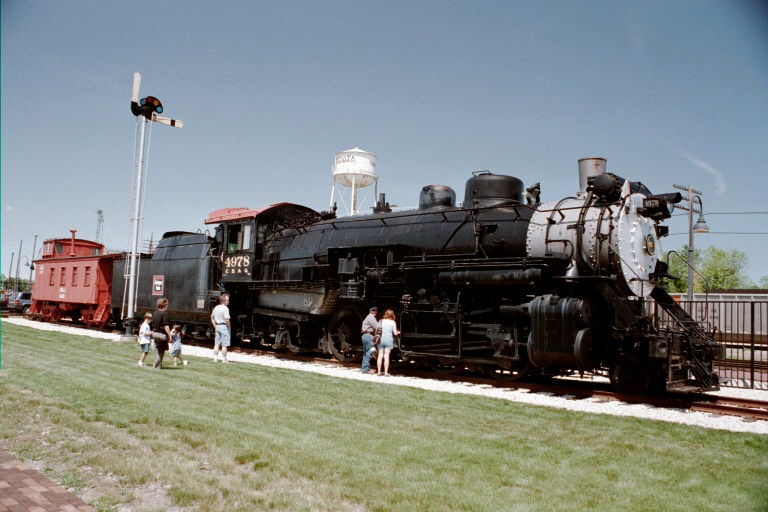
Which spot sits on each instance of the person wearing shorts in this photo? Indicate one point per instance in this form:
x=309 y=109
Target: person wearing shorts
x=388 y=332
x=223 y=328
x=145 y=337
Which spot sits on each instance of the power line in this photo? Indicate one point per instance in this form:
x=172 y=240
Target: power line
x=726 y=233
x=737 y=213
x=724 y=213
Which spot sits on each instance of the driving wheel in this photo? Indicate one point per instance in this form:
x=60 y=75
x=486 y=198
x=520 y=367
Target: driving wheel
x=344 y=337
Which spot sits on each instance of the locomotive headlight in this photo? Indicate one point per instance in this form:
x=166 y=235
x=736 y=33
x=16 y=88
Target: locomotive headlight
x=650 y=244
x=659 y=207
x=654 y=208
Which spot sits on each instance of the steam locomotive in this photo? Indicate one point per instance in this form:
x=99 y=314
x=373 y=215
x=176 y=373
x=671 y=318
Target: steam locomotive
x=503 y=283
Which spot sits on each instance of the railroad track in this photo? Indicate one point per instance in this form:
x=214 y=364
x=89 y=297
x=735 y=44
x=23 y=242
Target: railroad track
x=574 y=389
x=731 y=406
x=747 y=409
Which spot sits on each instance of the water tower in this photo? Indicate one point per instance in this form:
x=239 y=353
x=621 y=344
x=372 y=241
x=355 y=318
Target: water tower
x=354 y=169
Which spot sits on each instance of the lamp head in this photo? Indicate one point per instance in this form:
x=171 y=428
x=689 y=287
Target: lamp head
x=701 y=225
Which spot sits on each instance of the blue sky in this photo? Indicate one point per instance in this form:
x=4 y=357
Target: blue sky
x=668 y=92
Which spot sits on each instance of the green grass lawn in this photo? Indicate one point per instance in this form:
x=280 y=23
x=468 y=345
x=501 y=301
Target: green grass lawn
x=215 y=437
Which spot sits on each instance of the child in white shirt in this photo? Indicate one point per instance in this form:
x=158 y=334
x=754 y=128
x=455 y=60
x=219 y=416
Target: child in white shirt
x=145 y=337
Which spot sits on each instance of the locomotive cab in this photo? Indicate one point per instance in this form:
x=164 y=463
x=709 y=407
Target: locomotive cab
x=244 y=235
x=240 y=244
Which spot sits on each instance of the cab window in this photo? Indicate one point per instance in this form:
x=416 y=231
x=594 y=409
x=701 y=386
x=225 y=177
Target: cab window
x=246 y=243
x=233 y=237
x=239 y=238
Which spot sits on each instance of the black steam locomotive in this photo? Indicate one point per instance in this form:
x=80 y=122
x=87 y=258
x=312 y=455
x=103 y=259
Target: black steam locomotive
x=503 y=283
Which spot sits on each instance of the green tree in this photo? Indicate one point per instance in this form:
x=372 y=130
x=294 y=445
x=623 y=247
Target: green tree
x=763 y=283
x=724 y=269
x=715 y=269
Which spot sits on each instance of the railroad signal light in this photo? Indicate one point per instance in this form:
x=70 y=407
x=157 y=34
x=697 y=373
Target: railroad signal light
x=152 y=104
x=146 y=106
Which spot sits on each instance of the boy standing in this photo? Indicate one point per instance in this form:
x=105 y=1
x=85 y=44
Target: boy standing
x=145 y=337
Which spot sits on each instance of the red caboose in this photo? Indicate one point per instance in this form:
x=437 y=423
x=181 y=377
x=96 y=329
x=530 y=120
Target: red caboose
x=74 y=279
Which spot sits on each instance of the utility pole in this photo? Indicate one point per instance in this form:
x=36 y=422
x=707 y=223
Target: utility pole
x=18 y=260
x=32 y=263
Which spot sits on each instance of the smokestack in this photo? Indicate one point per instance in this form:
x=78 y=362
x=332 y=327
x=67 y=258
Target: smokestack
x=589 y=167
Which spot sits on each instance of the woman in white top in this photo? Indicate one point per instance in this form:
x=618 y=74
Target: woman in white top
x=389 y=330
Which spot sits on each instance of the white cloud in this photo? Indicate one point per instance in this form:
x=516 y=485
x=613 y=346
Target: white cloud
x=716 y=173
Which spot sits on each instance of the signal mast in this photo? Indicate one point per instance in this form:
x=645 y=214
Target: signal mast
x=148 y=108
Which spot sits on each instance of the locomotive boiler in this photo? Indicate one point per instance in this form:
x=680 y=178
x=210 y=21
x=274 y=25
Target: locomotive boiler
x=501 y=283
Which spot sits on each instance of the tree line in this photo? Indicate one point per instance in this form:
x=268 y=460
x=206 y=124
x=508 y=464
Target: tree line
x=715 y=269
x=9 y=283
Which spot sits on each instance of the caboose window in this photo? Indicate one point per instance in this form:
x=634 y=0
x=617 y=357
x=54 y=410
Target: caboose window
x=87 y=276
x=63 y=281
x=59 y=248
x=74 y=276
x=53 y=277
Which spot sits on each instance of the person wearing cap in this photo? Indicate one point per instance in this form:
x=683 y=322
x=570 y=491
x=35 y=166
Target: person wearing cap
x=370 y=324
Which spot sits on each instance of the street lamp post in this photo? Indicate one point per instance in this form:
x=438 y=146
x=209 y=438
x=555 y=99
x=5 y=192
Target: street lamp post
x=694 y=196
